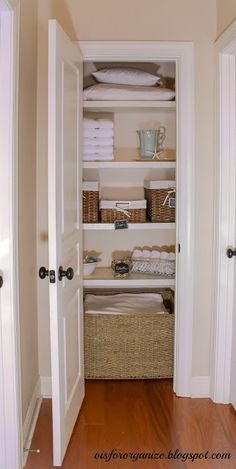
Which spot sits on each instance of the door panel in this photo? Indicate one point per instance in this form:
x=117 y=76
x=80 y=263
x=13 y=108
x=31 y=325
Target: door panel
x=65 y=235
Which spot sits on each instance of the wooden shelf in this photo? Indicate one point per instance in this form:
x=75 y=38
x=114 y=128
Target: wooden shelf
x=127 y=105
x=103 y=277
x=129 y=164
x=131 y=226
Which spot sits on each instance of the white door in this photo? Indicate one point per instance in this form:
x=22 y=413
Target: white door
x=10 y=385
x=65 y=235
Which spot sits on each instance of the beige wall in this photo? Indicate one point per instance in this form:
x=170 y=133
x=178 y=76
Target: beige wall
x=185 y=20
x=27 y=199
x=226 y=13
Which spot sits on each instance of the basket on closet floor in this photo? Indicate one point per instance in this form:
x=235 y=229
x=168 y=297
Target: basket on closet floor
x=90 y=201
x=132 y=346
x=134 y=211
x=160 y=196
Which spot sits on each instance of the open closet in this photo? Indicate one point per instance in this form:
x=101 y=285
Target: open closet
x=129 y=194
x=137 y=222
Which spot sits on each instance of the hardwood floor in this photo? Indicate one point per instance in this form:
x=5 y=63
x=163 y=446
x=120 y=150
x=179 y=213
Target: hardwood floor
x=140 y=417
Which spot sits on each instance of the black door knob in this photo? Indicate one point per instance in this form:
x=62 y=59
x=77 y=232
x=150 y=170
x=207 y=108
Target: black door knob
x=1 y=281
x=43 y=272
x=69 y=273
x=231 y=253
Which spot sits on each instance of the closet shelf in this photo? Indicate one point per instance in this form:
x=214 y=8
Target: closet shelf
x=129 y=164
x=127 y=105
x=131 y=226
x=103 y=277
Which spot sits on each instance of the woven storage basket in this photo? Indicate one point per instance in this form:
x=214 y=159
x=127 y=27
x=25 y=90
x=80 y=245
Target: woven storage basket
x=159 y=195
x=90 y=202
x=129 y=346
x=132 y=211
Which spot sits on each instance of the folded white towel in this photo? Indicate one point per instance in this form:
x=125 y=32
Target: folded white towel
x=97 y=157
x=101 y=133
x=105 y=123
x=137 y=253
x=124 y=303
x=97 y=141
x=92 y=150
x=164 y=255
x=146 y=254
x=171 y=256
x=102 y=123
x=155 y=254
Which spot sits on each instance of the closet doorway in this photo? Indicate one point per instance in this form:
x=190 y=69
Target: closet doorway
x=64 y=116
x=181 y=55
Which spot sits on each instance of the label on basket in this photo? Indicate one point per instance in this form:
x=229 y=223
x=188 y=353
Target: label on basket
x=172 y=202
x=121 y=268
x=121 y=224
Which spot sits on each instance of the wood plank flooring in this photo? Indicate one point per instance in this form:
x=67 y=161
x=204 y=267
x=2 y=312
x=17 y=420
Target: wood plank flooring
x=141 y=416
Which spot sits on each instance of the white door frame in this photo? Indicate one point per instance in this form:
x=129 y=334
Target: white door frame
x=10 y=389
x=183 y=54
x=225 y=187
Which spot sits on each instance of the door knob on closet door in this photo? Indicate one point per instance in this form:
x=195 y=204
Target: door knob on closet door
x=69 y=273
x=1 y=281
x=231 y=253
x=43 y=272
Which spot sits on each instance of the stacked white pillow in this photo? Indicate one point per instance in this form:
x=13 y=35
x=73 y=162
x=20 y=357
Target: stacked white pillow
x=127 y=84
x=126 y=76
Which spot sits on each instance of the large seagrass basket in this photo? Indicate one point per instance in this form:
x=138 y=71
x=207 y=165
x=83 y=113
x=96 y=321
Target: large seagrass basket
x=129 y=346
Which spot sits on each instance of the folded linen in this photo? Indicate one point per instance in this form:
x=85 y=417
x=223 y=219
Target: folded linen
x=137 y=253
x=98 y=133
x=97 y=157
x=101 y=123
x=146 y=254
x=155 y=254
x=126 y=303
x=100 y=150
x=98 y=141
x=164 y=255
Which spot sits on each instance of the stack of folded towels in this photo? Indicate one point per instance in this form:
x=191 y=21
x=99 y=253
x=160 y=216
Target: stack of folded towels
x=98 y=141
x=153 y=261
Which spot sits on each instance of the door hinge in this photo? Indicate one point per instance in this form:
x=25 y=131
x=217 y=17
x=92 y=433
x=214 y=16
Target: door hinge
x=179 y=247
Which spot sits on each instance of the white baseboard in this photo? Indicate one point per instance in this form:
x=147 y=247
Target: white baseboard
x=46 y=387
x=31 y=419
x=200 y=386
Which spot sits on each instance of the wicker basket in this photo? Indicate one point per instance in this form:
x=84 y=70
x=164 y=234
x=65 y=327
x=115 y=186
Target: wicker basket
x=90 y=202
x=160 y=197
x=129 y=346
x=132 y=211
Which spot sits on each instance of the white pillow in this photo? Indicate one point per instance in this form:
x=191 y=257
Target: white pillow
x=102 y=91
x=126 y=76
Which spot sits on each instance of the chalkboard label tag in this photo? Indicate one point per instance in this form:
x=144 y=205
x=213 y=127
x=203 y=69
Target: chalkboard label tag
x=121 y=224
